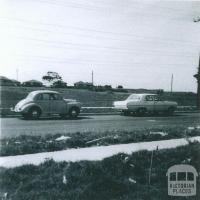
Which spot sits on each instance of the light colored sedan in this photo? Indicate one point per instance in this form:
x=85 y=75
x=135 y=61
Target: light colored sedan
x=145 y=103
x=46 y=102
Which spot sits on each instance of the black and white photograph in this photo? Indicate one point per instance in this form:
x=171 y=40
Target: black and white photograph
x=99 y=100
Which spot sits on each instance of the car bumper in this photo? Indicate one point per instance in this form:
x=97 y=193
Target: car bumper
x=120 y=108
x=16 y=110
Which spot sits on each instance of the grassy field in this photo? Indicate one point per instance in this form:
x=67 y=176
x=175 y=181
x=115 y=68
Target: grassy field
x=25 y=144
x=120 y=177
x=11 y=95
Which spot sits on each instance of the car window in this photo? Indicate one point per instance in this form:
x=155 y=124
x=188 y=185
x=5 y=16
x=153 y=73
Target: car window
x=134 y=97
x=39 y=97
x=45 y=97
x=149 y=98
x=55 y=97
x=156 y=98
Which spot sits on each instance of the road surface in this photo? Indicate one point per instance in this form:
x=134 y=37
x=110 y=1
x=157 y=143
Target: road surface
x=11 y=127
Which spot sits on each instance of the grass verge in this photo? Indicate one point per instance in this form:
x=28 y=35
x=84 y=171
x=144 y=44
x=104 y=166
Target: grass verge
x=118 y=177
x=34 y=144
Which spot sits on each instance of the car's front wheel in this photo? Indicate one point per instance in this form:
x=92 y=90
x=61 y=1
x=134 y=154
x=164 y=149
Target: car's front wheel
x=63 y=116
x=126 y=113
x=74 y=112
x=170 y=111
x=141 y=111
x=25 y=115
x=34 y=113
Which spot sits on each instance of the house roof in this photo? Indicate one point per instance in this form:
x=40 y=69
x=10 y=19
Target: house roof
x=4 y=78
x=33 y=81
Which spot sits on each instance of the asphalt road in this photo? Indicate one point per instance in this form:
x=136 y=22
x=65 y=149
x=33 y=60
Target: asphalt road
x=11 y=127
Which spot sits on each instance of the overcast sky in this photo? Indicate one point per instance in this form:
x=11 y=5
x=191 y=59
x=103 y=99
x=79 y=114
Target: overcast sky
x=137 y=44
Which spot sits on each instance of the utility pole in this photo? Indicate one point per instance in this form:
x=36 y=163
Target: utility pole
x=197 y=76
x=17 y=71
x=172 y=80
x=92 y=78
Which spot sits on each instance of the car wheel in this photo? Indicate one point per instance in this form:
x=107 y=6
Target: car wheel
x=126 y=113
x=170 y=111
x=74 y=112
x=63 y=116
x=141 y=111
x=34 y=113
x=25 y=116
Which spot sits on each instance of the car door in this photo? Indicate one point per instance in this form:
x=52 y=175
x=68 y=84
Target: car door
x=148 y=102
x=57 y=104
x=159 y=104
x=43 y=101
x=132 y=102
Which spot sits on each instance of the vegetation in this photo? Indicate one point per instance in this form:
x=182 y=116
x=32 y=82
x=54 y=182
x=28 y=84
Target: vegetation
x=52 y=77
x=32 y=83
x=33 y=144
x=118 y=177
x=59 y=84
x=11 y=95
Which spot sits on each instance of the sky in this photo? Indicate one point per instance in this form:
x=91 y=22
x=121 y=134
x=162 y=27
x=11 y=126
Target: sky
x=137 y=44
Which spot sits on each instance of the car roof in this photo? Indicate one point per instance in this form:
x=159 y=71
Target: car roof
x=143 y=94
x=44 y=91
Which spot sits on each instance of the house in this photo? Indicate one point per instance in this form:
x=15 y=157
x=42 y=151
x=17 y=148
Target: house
x=83 y=85
x=17 y=83
x=32 y=83
x=4 y=81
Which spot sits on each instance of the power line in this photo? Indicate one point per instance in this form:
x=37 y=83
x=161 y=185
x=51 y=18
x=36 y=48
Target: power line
x=49 y=59
x=102 y=32
x=100 y=8
x=78 y=45
x=87 y=36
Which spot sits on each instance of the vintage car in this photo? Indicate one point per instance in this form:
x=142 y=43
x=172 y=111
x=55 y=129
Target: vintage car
x=46 y=102
x=145 y=103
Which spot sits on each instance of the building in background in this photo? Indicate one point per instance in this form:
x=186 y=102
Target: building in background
x=32 y=83
x=4 y=81
x=83 y=85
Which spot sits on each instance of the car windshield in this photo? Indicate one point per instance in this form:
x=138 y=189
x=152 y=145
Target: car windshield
x=134 y=97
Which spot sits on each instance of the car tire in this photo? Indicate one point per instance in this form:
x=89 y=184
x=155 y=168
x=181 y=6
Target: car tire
x=63 y=116
x=126 y=113
x=74 y=112
x=25 y=115
x=34 y=113
x=141 y=111
x=170 y=111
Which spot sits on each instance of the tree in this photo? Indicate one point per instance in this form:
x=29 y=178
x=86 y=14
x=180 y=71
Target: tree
x=52 y=77
x=160 y=92
x=108 y=87
x=119 y=87
x=59 y=84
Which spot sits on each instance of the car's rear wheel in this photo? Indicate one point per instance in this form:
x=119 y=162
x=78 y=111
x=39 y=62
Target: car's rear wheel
x=141 y=111
x=126 y=112
x=34 y=113
x=170 y=111
x=63 y=116
x=74 y=112
x=25 y=115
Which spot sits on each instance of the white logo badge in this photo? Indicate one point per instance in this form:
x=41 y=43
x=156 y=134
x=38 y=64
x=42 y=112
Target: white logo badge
x=182 y=180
